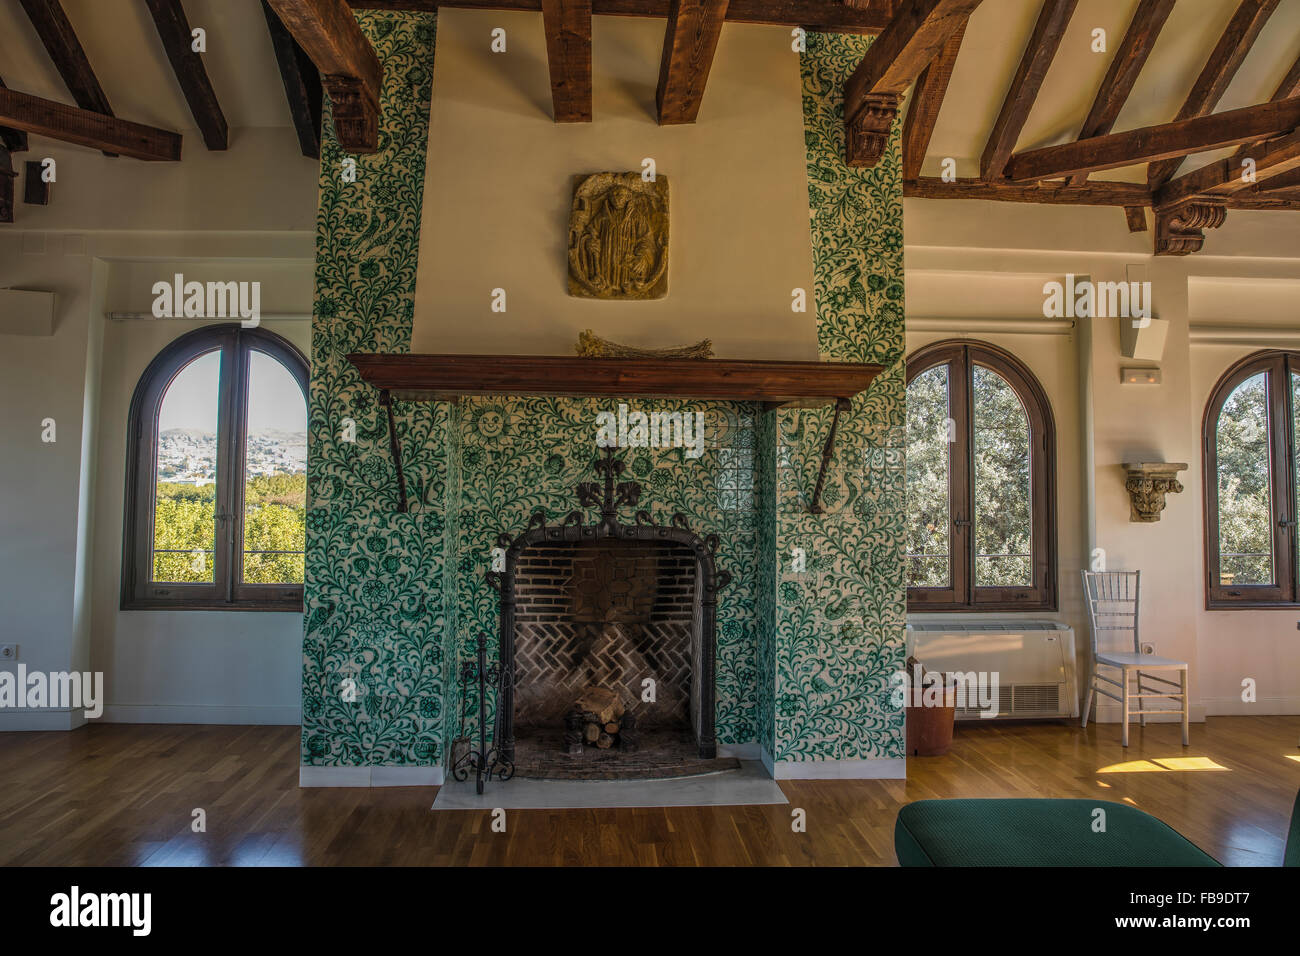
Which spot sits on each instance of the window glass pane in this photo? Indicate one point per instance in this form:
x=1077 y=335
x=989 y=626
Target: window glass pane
x=929 y=562
x=275 y=475
x=1295 y=453
x=1003 y=509
x=1245 y=502
x=184 y=519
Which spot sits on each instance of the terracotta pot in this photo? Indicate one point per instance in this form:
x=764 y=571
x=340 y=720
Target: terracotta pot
x=929 y=729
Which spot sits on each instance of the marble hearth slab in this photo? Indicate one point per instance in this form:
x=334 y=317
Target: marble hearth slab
x=750 y=785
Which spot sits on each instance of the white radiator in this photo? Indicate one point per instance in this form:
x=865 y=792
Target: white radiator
x=1034 y=662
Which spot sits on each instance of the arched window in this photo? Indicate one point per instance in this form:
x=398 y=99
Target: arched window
x=981 y=486
x=1250 y=441
x=217 y=475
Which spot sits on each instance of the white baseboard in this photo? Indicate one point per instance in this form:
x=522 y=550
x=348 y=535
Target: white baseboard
x=271 y=715
x=768 y=762
x=885 y=768
x=1263 y=707
x=748 y=751
x=41 y=718
x=370 y=776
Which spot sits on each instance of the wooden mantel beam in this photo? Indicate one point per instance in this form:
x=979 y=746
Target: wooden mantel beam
x=1143 y=30
x=832 y=16
x=568 y=54
x=914 y=37
x=86 y=128
x=174 y=31
x=1154 y=143
x=690 y=40
x=1219 y=69
x=349 y=69
x=1053 y=18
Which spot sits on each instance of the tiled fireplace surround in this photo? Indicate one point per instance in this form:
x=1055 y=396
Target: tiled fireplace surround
x=394 y=600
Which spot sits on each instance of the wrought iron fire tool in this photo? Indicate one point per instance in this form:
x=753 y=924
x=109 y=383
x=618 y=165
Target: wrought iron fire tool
x=484 y=762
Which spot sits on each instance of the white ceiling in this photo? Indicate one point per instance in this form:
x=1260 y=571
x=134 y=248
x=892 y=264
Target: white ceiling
x=122 y=45
x=995 y=39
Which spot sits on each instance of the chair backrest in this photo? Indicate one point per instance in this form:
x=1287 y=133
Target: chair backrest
x=1112 y=599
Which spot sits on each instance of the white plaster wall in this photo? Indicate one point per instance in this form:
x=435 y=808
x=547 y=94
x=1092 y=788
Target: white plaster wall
x=977 y=260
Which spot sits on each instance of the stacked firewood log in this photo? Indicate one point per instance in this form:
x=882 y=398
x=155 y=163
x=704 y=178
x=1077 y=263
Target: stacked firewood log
x=599 y=719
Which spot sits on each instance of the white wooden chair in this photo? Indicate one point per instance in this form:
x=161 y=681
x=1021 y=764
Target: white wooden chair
x=1112 y=599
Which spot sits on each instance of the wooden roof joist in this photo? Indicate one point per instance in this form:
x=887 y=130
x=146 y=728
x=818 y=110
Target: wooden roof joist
x=1152 y=143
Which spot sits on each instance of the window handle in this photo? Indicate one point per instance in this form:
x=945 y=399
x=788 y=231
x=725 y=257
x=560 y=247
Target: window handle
x=961 y=522
x=1285 y=523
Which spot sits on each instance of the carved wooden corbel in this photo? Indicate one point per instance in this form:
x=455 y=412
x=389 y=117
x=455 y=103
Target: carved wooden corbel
x=1179 y=228
x=1147 y=484
x=866 y=134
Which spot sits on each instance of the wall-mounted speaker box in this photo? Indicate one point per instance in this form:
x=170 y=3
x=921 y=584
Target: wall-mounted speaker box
x=1143 y=338
x=23 y=312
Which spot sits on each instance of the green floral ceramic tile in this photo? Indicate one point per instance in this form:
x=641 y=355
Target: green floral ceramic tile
x=837 y=626
x=394 y=600
x=373 y=648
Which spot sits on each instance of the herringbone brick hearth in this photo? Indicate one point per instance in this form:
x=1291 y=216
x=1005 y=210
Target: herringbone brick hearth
x=570 y=636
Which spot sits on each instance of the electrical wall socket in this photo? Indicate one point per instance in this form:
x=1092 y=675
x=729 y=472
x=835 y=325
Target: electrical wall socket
x=8 y=652
x=1148 y=648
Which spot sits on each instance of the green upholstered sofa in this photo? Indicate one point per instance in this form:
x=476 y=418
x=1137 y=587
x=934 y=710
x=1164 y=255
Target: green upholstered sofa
x=1048 y=833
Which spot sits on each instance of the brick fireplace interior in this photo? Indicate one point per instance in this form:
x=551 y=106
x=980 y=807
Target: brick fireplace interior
x=610 y=614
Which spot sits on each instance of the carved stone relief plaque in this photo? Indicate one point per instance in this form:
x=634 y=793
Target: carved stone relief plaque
x=618 y=237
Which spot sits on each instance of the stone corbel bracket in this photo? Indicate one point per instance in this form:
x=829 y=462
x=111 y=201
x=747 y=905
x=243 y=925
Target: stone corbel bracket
x=1147 y=483
x=866 y=133
x=1180 y=228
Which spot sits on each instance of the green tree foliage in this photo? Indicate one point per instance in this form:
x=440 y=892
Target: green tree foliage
x=1245 y=512
x=927 y=529
x=274 y=521
x=1003 y=527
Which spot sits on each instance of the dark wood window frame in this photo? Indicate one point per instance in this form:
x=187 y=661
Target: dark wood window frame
x=226 y=591
x=1279 y=364
x=962 y=595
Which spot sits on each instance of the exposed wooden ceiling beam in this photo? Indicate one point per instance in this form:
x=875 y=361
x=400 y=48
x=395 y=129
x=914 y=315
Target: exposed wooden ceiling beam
x=1056 y=194
x=1053 y=18
x=690 y=40
x=1274 y=183
x=830 y=16
x=60 y=41
x=1148 y=20
x=915 y=35
x=927 y=99
x=12 y=140
x=7 y=177
x=568 y=54
x=174 y=31
x=1154 y=143
x=302 y=87
x=1224 y=177
x=349 y=69
x=87 y=128
x=1219 y=69
x=65 y=50
x=1289 y=87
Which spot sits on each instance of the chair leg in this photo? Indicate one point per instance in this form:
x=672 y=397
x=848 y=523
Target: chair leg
x=1142 y=704
x=1124 y=709
x=1182 y=680
x=1087 y=701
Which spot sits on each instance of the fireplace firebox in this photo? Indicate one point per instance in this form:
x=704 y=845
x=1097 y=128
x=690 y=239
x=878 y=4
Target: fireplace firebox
x=591 y=611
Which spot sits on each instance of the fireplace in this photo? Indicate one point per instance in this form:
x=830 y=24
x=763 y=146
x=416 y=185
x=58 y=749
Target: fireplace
x=607 y=608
